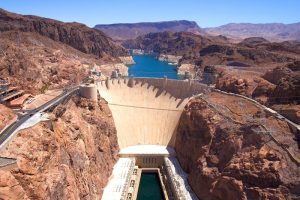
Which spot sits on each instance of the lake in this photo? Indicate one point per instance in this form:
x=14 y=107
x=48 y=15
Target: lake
x=149 y=66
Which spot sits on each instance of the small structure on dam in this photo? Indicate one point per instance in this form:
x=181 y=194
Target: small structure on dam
x=146 y=112
x=88 y=91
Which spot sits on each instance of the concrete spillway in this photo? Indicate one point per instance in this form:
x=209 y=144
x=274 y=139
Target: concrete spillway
x=146 y=111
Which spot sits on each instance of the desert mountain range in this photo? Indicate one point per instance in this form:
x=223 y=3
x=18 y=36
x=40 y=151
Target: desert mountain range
x=276 y=32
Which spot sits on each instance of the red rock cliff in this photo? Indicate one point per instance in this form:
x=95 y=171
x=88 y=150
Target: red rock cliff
x=71 y=160
x=77 y=35
x=224 y=145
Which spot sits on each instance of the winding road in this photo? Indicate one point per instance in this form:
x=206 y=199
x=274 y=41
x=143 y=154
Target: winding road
x=13 y=128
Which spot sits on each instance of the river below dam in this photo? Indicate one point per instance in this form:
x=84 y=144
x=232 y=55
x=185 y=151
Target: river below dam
x=149 y=66
x=150 y=188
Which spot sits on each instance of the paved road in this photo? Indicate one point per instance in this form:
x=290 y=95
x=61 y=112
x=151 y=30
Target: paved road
x=9 y=131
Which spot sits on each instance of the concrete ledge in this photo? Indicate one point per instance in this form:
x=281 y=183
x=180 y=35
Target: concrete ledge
x=147 y=150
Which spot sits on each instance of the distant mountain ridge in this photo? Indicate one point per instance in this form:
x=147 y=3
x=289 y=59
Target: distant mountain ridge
x=217 y=50
x=126 y=31
x=275 y=32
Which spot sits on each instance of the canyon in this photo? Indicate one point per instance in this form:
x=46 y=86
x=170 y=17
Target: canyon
x=229 y=146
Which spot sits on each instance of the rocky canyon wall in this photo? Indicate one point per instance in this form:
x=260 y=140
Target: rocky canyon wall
x=70 y=157
x=76 y=35
x=233 y=150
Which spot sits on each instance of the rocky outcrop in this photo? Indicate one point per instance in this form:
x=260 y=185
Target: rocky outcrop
x=212 y=49
x=245 y=83
x=76 y=35
x=127 y=60
x=183 y=68
x=120 y=67
x=227 y=146
x=287 y=90
x=169 y=58
x=70 y=157
x=274 y=75
x=169 y=43
x=295 y=66
x=263 y=90
x=287 y=85
x=7 y=116
x=290 y=111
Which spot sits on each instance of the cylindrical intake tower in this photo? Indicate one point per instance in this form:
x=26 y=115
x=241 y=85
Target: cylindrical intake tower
x=88 y=91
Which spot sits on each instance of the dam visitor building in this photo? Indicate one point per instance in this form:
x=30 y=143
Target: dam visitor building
x=146 y=113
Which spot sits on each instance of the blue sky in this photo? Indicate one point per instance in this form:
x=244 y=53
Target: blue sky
x=206 y=13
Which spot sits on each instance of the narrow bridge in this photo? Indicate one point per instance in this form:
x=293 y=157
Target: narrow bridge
x=146 y=111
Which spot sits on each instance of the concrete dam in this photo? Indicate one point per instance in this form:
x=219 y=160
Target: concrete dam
x=146 y=112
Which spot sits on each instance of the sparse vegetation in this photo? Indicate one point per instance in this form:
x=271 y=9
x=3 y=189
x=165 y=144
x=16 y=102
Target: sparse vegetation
x=44 y=88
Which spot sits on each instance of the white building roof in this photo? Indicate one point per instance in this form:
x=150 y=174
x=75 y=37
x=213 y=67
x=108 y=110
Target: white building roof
x=118 y=180
x=147 y=150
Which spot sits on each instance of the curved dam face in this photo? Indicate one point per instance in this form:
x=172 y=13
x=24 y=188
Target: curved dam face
x=146 y=111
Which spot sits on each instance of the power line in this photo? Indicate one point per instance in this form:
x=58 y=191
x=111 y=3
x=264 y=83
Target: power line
x=142 y=107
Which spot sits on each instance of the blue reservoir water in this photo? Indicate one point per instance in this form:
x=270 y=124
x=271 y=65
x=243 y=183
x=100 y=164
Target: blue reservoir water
x=149 y=66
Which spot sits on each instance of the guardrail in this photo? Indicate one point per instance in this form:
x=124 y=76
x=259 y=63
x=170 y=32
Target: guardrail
x=294 y=127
